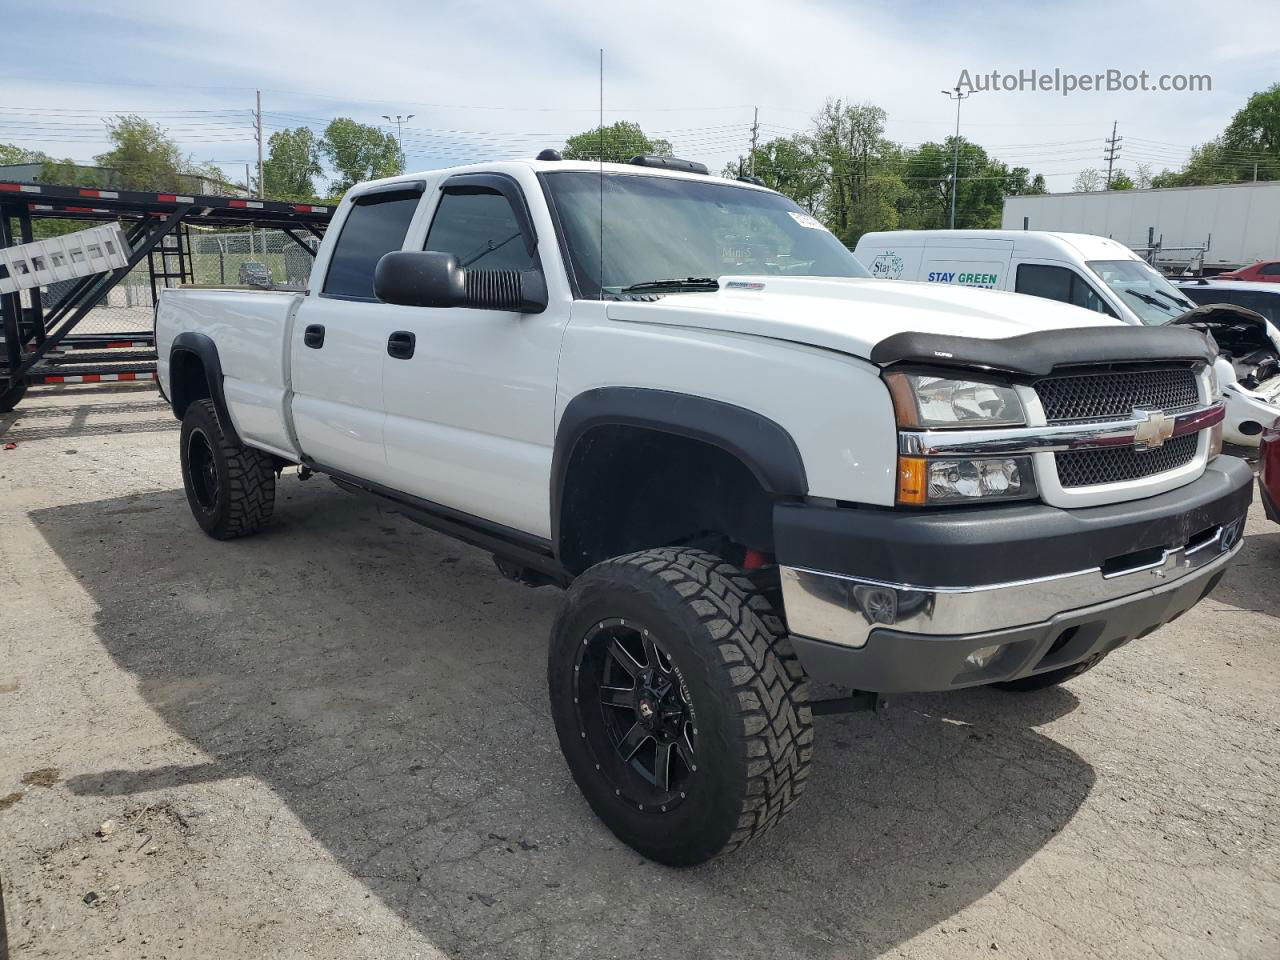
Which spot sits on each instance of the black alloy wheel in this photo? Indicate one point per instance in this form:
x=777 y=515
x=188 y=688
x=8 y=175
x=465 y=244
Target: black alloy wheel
x=634 y=710
x=204 y=471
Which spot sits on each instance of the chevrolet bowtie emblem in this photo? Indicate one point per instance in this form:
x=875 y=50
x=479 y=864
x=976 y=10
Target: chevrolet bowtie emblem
x=1154 y=428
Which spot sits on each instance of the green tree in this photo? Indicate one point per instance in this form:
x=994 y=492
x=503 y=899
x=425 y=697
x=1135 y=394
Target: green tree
x=621 y=141
x=292 y=164
x=1121 y=181
x=359 y=152
x=1021 y=183
x=876 y=205
x=1249 y=148
x=13 y=154
x=848 y=142
x=142 y=157
x=1208 y=163
x=983 y=183
x=788 y=165
x=1253 y=137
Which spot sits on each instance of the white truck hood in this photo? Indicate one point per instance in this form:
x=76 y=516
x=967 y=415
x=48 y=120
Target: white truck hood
x=852 y=315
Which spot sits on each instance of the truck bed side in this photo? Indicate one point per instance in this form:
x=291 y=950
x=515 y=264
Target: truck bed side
x=251 y=330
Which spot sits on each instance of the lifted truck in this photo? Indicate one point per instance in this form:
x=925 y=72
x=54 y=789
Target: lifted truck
x=750 y=464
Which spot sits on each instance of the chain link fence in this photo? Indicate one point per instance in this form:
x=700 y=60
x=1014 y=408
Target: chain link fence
x=223 y=258
x=209 y=257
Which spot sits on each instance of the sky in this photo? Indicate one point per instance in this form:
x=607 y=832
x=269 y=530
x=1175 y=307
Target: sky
x=505 y=78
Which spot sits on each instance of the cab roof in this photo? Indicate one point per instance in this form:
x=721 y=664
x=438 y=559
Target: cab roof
x=555 y=166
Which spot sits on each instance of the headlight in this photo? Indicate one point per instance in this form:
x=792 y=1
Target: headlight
x=923 y=402
x=928 y=402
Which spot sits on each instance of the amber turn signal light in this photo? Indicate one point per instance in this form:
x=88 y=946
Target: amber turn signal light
x=912 y=476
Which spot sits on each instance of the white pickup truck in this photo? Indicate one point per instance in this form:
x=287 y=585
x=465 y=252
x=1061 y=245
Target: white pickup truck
x=750 y=464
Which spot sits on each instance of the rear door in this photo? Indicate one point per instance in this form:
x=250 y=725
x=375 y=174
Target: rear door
x=339 y=338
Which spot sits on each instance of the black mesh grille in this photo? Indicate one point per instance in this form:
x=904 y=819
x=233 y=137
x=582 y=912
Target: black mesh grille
x=1113 y=395
x=1084 y=468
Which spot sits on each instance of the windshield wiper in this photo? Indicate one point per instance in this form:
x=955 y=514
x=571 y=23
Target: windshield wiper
x=679 y=285
x=1145 y=298
x=1183 y=304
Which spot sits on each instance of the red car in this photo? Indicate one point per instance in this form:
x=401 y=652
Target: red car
x=1269 y=472
x=1267 y=271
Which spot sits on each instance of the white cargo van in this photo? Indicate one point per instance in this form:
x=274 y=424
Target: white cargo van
x=1092 y=272
x=1098 y=274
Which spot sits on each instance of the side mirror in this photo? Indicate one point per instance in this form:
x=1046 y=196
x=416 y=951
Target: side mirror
x=425 y=278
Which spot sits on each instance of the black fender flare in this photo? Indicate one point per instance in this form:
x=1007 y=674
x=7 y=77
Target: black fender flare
x=203 y=347
x=761 y=444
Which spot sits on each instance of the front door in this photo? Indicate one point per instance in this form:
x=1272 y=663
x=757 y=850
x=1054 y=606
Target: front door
x=470 y=415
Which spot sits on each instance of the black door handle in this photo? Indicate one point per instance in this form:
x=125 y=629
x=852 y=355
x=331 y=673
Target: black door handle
x=313 y=336
x=400 y=344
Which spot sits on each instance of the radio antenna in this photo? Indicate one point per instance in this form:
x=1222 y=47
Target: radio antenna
x=601 y=139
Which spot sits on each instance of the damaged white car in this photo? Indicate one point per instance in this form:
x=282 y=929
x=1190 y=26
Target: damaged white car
x=1241 y=318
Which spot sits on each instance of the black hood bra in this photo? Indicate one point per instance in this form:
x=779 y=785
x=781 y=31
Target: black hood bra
x=1039 y=354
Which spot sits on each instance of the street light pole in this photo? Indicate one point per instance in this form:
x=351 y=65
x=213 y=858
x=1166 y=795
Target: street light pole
x=397 y=120
x=957 y=96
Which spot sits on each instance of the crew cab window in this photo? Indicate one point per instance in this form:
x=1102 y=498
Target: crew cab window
x=1256 y=300
x=375 y=226
x=481 y=230
x=1058 y=283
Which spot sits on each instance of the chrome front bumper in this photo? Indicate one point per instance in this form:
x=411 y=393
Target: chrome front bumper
x=845 y=610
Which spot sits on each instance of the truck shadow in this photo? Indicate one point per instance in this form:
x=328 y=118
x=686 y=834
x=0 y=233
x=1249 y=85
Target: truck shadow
x=390 y=688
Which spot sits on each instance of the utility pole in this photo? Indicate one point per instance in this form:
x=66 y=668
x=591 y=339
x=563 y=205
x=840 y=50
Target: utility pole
x=399 y=141
x=1113 y=151
x=249 y=193
x=957 y=96
x=257 y=116
x=755 y=136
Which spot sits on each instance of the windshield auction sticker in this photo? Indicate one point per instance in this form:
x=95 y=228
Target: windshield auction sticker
x=813 y=223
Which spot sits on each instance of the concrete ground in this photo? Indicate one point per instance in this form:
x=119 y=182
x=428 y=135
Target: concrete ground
x=331 y=740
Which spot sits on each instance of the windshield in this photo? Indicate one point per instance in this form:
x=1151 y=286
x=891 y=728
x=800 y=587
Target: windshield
x=664 y=228
x=1143 y=289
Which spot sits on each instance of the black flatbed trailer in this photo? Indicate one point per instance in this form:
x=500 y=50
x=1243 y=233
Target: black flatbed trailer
x=38 y=343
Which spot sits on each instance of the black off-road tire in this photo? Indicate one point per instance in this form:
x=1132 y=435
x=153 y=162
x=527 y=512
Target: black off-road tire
x=10 y=397
x=231 y=488
x=1050 y=678
x=751 y=720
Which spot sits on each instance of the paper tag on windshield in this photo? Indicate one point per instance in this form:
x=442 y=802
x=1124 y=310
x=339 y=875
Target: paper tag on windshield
x=813 y=223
